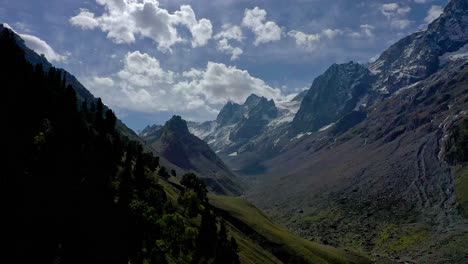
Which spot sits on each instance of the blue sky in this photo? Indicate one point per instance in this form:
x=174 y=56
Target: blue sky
x=151 y=59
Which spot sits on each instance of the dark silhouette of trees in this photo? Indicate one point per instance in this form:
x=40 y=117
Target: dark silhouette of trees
x=191 y=181
x=163 y=172
x=73 y=190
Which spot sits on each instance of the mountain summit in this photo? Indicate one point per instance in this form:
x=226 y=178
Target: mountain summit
x=175 y=143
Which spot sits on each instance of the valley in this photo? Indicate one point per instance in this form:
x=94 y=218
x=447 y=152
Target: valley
x=367 y=165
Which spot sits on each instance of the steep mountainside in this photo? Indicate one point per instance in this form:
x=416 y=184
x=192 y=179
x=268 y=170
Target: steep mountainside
x=384 y=183
x=332 y=95
x=82 y=93
x=237 y=125
x=417 y=56
x=175 y=143
x=381 y=179
x=344 y=95
x=75 y=190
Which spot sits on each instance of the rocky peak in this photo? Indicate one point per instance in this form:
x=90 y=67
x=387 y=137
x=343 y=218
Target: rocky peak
x=416 y=56
x=331 y=96
x=253 y=100
x=177 y=125
x=263 y=109
x=229 y=114
x=150 y=130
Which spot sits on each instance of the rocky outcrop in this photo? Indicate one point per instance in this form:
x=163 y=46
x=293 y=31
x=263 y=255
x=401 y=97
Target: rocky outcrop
x=176 y=144
x=417 y=56
x=331 y=96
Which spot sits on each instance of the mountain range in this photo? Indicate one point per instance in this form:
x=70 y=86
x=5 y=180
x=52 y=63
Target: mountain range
x=362 y=155
x=372 y=158
x=187 y=152
x=79 y=187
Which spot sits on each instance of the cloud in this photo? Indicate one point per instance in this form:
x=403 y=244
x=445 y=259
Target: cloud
x=201 y=30
x=421 y=1
x=365 y=30
x=307 y=41
x=123 y=20
x=374 y=58
x=143 y=85
x=394 y=9
x=433 y=13
x=224 y=46
x=40 y=46
x=400 y=23
x=331 y=33
x=85 y=20
x=103 y=81
x=219 y=83
x=140 y=69
x=312 y=42
x=396 y=15
x=265 y=31
x=230 y=32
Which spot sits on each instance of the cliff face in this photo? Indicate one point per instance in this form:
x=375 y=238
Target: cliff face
x=331 y=96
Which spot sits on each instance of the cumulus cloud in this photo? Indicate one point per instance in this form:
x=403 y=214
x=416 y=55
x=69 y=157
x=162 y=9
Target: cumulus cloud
x=103 y=81
x=40 y=46
x=307 y=41
x=229 y=31
x=201 y=30
x=394 y=9
x=396 y=14
x=332 y=33
x=224 y=46
x=85 y=20
x=366 y=30
x=265 y=31
x=314 y=41
x=143 y=85
x=123 y=20
x=433 y=13
x=219 y=83
x=140 y=69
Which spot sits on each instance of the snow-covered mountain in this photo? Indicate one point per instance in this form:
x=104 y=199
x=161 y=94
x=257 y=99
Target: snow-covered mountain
x=416 y=56
x=342 y=97
x=239 y=125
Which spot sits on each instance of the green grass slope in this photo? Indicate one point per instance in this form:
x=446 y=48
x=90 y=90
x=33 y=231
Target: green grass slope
x=285 y=246
x=461 y=188
x=250 y=252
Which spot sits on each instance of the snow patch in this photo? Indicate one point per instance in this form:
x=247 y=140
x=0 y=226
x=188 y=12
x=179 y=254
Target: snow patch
x=460 y=54
x=234 y=154
x=300 y=135
x=286 y=112
x=326 y=127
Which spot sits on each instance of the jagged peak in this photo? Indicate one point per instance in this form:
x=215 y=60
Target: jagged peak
x=177 y=125
x=253 y=100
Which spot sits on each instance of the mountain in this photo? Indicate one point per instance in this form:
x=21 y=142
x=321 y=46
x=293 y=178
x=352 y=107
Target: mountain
x=348 y=87
x=332 y=95
x=343 y=95
x=76 y=190
x=368 y=164
x=237 y=126
x=82 y=93
x=416 y=56
x=174 y=142
x=366 y=161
